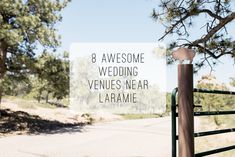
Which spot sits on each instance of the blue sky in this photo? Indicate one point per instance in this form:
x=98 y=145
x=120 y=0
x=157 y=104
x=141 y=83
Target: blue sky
x=126 y=21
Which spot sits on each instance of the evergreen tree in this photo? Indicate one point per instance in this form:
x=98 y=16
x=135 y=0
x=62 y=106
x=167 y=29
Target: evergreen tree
x=23 y=25
x=52 y=77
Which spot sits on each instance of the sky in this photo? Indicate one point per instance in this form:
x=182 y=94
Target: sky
x=128 y=21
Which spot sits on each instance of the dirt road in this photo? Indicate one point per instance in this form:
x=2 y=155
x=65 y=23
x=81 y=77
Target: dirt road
x=129 y=138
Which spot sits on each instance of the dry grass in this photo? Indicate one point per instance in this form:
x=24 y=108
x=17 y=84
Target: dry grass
x=216 y=141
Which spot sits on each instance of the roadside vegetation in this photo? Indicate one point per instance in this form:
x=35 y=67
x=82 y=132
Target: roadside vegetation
x=140 y=116
x=47 y=85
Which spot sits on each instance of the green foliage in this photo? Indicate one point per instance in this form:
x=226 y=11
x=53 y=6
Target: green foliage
x=38 y=88
x=16 y=86
x=49 y=80
x=214 y=102
x=168 y=103
x=24 y=25
x=211 y=102
x=82 y=71
x=25 y=22
x=52 y=77
x=232 y=83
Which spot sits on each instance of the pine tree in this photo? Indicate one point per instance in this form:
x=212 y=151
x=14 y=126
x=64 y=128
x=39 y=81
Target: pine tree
x=212 y=41
x=25 y=24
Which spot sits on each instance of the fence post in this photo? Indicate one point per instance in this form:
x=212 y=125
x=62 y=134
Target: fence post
x=173 y=122
x=185 y=110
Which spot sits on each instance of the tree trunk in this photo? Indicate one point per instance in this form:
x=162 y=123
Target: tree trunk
x=39 y=96
x=47 y=97
x=0 y=97
x=3 y=53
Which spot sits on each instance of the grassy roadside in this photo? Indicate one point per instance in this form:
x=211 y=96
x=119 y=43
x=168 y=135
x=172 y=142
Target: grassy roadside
x=139 y=116
x=29 y=103
x=216 y=141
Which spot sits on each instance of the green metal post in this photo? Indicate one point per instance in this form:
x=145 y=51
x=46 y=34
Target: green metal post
x=173 y=122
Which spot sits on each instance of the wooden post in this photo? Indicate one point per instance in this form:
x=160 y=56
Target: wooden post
x=186 y=118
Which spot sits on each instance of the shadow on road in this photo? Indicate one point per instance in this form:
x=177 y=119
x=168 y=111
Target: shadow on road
x=20 y=122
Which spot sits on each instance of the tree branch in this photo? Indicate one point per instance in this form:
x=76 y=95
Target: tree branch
x=210 y=13
x=215 y=29
x=174 y=25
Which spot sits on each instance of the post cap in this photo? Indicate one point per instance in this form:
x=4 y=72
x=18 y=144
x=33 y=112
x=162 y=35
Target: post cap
x=183 y=54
